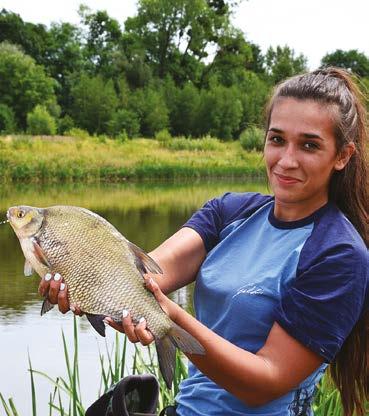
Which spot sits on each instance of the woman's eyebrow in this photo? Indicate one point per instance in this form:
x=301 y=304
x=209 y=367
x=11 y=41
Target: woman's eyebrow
x=305 y=135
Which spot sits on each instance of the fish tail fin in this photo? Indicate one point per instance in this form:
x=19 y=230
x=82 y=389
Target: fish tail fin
x=166 y=350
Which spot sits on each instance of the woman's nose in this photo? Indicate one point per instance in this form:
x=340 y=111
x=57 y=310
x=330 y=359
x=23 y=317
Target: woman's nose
x=288 y=158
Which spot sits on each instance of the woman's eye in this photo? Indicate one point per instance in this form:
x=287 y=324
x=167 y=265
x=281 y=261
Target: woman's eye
x=20 y=214
x=276 y=139
x=311 y=146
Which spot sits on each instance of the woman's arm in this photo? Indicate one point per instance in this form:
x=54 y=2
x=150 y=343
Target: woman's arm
x=281 y=364
x=180 y=258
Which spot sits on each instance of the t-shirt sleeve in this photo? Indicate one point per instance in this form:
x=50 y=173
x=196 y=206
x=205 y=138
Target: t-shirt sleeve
x=208 y=222
x=324 y=301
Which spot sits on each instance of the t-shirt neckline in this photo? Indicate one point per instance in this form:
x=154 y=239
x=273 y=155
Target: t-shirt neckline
x=297 y=223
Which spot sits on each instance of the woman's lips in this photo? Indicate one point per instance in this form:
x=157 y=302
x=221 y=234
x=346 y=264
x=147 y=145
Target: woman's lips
x=287 y=180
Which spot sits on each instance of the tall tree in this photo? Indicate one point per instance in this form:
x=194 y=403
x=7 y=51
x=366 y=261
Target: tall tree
x=282 y=63
x=176 y=34
x=352 y=60
x=23 y=83
x=32 y=38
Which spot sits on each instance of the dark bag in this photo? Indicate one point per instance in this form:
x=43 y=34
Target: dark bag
x=135 y=395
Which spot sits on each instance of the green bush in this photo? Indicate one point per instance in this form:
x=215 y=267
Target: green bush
x=39 y=121
x=78 y=133
x=65 y=124
x=163 y=136
x=204 y=144
x=7 y=121
x=124 y=120
x=252 y=139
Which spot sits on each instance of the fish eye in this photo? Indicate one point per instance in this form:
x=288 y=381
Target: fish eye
x=20 y=214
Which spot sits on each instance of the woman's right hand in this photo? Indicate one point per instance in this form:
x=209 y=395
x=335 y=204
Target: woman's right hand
x=55 y=290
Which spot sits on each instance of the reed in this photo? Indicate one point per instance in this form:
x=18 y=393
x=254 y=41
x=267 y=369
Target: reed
x=65 y=399
x=67 y=159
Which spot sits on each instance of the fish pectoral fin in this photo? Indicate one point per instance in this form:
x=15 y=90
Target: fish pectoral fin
x=46 y=306
x=143 y=261
x=28 y=269
x=40 y=255
x=97 y=322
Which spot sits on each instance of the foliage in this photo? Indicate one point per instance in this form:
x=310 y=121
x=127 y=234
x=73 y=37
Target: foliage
x=252 y=139
x=65 y=124
x=39 y=121
x=94 y=100
x=23 y=84
x=124 y=120
x=352 y=60
x=7 y=122
x=82 y=160
x=77 y=133
x=282 y=63
x=163 y=136
x=220 y=112
x=204 y=144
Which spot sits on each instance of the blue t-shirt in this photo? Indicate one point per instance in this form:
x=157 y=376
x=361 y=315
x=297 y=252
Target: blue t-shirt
x=309 y=275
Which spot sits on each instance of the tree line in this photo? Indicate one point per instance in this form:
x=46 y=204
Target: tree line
x=178 y=65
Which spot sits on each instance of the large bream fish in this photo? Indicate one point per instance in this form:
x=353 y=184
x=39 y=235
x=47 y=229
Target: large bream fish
x=102 y=269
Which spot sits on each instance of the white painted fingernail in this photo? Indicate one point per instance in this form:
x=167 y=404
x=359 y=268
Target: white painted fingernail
x=141 y=320
x=48 y=276
x=124 y=313
x=72 y=308
x=106 y=322
x=62 y=286
x=57 y=277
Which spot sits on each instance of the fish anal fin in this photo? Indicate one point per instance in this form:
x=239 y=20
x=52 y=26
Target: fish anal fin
x=46 y=306
x=28 y=269
x=97 y=322
x=166 y=352
x=40 y=255
x=143 y=261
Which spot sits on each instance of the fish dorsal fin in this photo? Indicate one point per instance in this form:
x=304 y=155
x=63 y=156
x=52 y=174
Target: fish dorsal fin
x=40 y=255
x=143 y=261
x=28 y=269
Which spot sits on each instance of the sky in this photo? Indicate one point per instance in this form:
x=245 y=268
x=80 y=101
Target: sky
x=311 y=27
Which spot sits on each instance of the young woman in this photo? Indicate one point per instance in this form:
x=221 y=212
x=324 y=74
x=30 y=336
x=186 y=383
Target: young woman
x=281 y=281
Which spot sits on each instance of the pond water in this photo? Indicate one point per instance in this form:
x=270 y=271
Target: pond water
x=145 y=213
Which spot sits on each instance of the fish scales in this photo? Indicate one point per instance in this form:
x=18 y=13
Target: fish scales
x=102 y=269
x=79 y=264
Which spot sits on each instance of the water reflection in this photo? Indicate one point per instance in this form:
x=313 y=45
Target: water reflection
x=145 y=213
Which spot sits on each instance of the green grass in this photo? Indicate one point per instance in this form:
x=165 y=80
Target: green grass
x=65 y=397
x=62 y=159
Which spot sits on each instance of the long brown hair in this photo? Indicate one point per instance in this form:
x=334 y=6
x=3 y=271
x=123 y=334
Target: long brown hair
x=348 y=188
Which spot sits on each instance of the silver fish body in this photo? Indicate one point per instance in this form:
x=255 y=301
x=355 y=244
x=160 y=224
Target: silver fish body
x=102 y=269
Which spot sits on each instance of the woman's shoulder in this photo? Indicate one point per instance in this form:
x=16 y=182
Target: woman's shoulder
x=236 y=205
x=335 y=245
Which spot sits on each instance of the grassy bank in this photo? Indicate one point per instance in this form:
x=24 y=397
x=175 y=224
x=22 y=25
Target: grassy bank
x=60 y=159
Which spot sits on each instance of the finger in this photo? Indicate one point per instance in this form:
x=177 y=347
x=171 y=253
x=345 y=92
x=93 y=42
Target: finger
x=54 y=288
x=63 y=302
x=76 y=310
x=128 y=326
x=154 y=288
x=116 y=325
x=43 y=287
x=142 y=333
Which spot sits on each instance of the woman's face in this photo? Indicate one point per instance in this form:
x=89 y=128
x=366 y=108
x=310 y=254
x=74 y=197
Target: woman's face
x=301 y=156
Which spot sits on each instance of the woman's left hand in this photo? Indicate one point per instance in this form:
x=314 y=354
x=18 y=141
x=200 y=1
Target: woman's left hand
x=140 y=332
